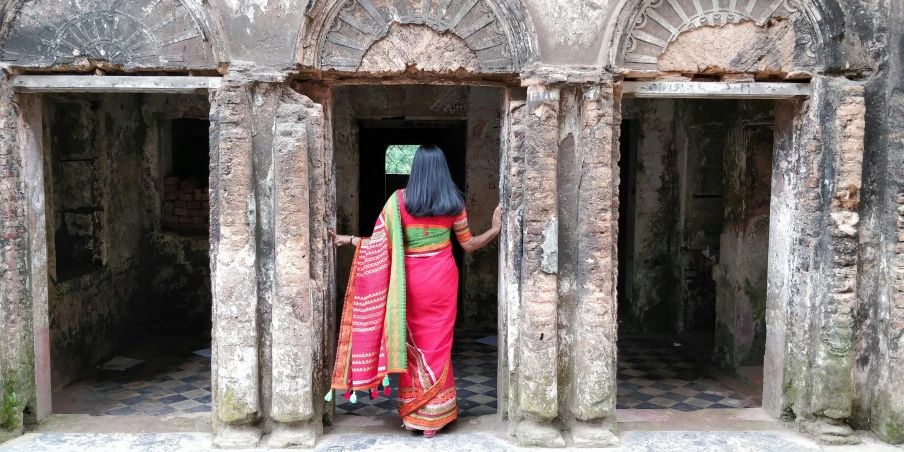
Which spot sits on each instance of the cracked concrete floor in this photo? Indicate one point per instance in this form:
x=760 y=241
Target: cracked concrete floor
x=639 y=430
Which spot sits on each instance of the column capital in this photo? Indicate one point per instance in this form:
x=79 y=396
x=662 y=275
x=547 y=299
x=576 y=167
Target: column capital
x=539 y=74
x=244 y=73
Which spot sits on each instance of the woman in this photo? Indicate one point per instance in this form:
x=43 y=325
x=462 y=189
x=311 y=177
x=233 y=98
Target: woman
x=400 y=304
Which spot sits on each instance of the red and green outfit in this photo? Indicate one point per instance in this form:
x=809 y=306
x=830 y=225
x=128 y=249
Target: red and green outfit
x=400 y=311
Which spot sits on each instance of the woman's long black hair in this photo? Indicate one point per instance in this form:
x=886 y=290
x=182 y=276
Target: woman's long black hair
x=430 y=191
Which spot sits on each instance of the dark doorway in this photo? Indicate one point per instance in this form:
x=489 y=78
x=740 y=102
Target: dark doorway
x=373 y=160
x=626 y=195
x=191 y=148
x=377 y=137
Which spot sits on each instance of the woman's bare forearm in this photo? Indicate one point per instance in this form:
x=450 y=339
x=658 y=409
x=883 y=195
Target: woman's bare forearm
x=480 y=241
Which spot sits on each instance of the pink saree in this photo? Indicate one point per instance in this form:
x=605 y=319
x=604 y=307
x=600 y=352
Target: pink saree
x=399 y=314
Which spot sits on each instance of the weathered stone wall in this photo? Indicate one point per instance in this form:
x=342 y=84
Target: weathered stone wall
x=482 y=196
x=283 y=34
x=141 y=34
x=479 y=106
x=655 y=218
x=177 y=265
x=878 y=373
x=94 y=156
x=17 y=350
x=701 y=133
x=740 y=274
x=104 y=184
x=701 y=223
x=178 y=272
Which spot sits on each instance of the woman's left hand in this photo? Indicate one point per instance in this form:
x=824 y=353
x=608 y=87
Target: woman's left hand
x=497 y=218
x=340 y=240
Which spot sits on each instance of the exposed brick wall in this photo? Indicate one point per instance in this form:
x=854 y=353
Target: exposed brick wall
x=186 y=205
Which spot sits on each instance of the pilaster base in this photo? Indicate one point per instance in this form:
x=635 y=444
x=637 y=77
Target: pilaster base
x=538 y=434
x=6 y=435
x=830 y=432
x=593 y=435
x=237 y=437
x=300 y=435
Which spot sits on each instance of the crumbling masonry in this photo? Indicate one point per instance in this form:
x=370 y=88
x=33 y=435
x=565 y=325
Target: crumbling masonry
x=830 y=321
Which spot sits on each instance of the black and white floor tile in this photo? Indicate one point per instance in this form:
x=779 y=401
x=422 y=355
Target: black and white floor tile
x=653 y=374
x=474 y=365
x=183 y=388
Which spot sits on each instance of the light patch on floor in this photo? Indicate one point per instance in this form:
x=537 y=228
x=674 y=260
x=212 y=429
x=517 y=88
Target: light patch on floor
x=634 y=441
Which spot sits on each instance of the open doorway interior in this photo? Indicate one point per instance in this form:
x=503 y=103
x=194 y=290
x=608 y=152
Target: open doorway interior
x=127 y=205
x=387 y=150
x=376 y=132
x=693 y=248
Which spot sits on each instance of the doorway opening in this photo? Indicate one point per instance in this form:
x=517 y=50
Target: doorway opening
x=695 y=194
x=129 y=297
x=387 y=150
x=376 y=131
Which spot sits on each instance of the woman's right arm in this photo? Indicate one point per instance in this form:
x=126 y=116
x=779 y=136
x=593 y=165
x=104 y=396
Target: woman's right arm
x=342 y=240
x=480 y=241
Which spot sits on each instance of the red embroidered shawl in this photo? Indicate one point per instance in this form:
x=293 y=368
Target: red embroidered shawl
x=372 y=332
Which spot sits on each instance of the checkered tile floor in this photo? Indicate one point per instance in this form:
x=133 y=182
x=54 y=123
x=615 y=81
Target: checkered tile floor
x=474 y=365
x=183 y=388
x=653 y=374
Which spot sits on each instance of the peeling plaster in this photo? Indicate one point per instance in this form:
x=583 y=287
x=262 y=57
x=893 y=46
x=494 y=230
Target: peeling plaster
x=549 y=248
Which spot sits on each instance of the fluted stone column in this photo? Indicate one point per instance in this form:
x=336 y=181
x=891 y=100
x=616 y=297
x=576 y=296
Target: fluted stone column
x=271 y=205
x=537 y=338
x=511 y=185
x=233 y=234
x=594 y=326
x=833 y=325
x=557 y=289
x=298 y=148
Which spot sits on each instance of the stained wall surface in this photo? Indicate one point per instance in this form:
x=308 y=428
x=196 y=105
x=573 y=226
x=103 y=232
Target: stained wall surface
x=113 y=276
x=845 y=48
x=700 y=224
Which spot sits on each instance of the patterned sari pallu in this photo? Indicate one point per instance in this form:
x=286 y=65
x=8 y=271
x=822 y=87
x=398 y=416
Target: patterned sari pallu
x=389 y=326
x=372 y=330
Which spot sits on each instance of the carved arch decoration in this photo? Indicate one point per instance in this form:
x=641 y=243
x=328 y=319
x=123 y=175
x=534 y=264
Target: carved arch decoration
x=338 y=33
x=167 y=34
x=645 y=28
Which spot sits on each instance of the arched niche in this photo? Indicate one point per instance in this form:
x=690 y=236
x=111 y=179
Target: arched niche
x=339 y=33
x=644 y=29
x=134 y=34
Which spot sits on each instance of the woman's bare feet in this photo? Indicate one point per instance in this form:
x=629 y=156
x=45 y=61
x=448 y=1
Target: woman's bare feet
x=429 y=433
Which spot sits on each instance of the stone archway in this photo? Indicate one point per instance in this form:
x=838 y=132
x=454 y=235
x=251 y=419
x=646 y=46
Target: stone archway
x=131 y=35
x=485 y=36
x=643 y=29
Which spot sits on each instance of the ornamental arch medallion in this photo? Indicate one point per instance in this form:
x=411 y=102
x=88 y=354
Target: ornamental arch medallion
x=645 y=30
x=339 y=33
x=134 y=34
